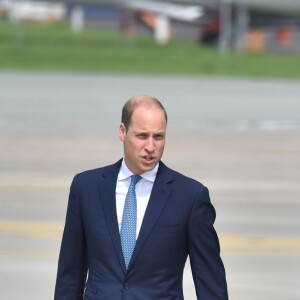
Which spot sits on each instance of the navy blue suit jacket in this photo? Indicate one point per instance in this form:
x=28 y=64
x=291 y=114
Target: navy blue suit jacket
x=178 y=222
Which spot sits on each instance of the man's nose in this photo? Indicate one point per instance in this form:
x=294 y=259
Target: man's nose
x=150 y=145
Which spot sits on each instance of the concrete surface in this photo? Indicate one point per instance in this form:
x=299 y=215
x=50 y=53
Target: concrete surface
x=240 y=137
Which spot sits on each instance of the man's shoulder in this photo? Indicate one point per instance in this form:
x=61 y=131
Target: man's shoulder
x=94 y=174
x=183 y=179
x=95 y=171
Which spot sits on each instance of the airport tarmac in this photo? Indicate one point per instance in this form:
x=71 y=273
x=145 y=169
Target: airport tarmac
x=240 y=137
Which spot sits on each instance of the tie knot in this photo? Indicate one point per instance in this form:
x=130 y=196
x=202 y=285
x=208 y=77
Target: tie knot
x=135 y=179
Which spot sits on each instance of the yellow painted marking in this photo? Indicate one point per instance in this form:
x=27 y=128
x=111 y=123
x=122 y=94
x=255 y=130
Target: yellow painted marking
x=245 y=244
x=34 y=229
x=28 y=254
x=229 y=243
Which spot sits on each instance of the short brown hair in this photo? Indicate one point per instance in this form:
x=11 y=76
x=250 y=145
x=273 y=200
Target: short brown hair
x=135 y=102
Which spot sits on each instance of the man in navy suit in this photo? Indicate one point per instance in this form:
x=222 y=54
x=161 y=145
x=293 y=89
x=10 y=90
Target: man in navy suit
x=174 y=219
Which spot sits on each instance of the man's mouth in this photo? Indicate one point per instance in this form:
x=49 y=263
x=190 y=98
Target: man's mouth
x=148 y=158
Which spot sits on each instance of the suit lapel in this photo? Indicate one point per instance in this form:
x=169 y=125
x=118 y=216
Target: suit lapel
x=159 y=197
x=107 y=189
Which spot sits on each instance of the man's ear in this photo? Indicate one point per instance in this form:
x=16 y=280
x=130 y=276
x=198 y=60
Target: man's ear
x=122 y=132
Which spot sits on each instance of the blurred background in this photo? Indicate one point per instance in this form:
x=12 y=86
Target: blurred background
x=228 y=74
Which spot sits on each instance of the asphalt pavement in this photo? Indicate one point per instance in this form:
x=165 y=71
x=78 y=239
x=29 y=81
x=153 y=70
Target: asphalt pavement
x=240 y=137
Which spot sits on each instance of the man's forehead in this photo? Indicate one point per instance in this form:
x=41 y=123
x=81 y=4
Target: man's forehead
x=144 y=110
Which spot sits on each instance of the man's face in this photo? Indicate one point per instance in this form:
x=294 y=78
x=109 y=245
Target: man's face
x=144 y=140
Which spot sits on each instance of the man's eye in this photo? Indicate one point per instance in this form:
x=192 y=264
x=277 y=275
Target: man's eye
x=159 y=137
x=142 y=136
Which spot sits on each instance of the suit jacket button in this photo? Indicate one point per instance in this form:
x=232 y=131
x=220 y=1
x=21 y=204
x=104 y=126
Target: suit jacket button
x=126 y=285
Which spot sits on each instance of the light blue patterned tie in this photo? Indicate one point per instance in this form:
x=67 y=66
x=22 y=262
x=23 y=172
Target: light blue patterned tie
x=128 y=227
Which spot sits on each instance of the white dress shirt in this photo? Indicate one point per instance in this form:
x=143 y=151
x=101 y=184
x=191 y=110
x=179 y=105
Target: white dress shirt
x=142 y=189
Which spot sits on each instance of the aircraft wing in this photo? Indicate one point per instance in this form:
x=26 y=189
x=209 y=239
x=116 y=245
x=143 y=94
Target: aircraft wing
x=171 y=10
x=187 y=12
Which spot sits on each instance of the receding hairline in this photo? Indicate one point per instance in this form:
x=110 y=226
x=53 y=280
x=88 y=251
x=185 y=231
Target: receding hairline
x=145 y=100
x=135 y=102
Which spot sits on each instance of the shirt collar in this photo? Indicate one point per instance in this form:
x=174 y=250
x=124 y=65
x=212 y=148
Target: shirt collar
x=126 y=173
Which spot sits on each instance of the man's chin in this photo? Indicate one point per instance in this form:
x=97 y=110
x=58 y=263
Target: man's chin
x=148 y=166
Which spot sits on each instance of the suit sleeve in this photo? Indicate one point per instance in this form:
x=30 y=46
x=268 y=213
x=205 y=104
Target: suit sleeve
x=72 y=265
x=204 y=251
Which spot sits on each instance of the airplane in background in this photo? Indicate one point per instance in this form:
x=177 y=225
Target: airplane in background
x=155 y=14
x=182 y=12
x=192 y=10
